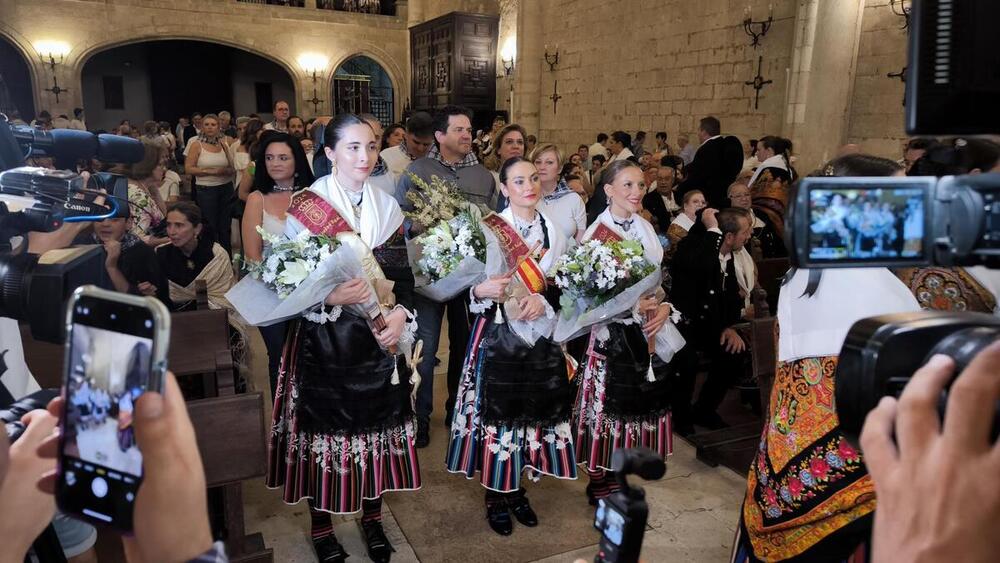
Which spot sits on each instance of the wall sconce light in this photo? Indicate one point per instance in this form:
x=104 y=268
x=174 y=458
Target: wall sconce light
x=314 y=64
x=507 y=54
x=52 y=53
x=552 y=60
x=757 y=29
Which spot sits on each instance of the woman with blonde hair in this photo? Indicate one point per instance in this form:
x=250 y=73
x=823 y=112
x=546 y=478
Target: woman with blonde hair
x=559 y=201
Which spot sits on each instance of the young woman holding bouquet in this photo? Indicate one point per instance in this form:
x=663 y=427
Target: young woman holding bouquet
x=342 y=426
x=617 y=406
x=514 y=400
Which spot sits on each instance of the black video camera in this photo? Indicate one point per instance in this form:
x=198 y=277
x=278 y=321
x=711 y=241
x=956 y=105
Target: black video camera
x=913 y=222
x=33 y=287
x=621 y=517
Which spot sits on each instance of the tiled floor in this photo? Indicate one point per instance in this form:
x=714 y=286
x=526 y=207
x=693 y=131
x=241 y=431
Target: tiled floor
x=693 y=514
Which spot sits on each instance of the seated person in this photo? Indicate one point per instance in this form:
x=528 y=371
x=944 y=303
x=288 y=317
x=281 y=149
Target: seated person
x=765 y=235
x=712 y=278
x=131 y=265
x=192 y=255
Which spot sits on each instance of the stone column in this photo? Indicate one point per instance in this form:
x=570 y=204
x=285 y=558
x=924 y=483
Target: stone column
x=528 y=68
x=824 y=62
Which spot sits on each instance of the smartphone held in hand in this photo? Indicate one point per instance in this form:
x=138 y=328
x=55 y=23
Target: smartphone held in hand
x=116 y=347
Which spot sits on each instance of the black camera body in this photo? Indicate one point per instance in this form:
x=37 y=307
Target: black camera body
x=34 y=288
x=621 y=517
x=880 y=355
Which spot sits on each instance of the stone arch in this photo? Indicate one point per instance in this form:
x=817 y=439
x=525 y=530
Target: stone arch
x=27 y=51
x=143 y=35
x=395 y=73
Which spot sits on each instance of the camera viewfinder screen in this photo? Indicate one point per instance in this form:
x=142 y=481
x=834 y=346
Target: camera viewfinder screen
x=878 y=224
x=108 y=372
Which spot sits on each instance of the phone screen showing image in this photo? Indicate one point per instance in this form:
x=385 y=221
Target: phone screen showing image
x=109 y=367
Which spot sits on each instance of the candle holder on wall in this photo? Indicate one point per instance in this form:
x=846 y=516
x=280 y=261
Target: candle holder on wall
x=552 y=60
x=903 y=9
x=757 y=29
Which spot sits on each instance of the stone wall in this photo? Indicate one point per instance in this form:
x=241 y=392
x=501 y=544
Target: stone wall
x=877 y=108
x=281 y=34
x=657 y=66
x=660 y=65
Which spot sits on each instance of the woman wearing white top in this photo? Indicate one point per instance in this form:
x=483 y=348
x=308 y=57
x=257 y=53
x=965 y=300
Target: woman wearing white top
x=280 y=170
x=209 y=162
x=693 y=201
x=559 y=201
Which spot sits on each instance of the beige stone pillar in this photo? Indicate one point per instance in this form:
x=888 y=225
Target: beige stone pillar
x=528 y=68
x=824 y=60
x=68 y=76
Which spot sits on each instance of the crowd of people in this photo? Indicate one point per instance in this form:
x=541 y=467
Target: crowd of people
x=345 y=431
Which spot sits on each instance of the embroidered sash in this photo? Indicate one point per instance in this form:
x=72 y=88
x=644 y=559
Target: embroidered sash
x=605 y=233
x=317 y=214
x=516 y=253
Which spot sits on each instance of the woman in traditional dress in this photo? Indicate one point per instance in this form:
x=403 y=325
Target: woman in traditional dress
x=514 y=400
x=769 y=188
x=618 y=404
x=809 y=496
x=342 y=427
x=693 y=201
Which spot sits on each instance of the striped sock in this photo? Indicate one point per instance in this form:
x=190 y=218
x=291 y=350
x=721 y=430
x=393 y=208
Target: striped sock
x=372 y=511
x=322 y=524
x=611 y=482
x=598 y=483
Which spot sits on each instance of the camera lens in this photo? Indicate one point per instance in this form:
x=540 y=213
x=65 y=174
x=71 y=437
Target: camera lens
x=15 y=275
x=962 y=346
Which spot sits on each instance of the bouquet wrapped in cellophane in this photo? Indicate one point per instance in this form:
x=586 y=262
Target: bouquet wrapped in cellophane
x=450 y=255
x=601 y=280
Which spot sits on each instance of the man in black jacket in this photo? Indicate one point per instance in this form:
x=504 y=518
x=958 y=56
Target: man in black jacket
x=707 y=292
x=716 y=164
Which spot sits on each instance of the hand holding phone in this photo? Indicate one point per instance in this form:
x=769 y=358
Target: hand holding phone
x=115 y=352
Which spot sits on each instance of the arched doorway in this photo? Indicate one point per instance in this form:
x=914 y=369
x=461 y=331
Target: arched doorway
x=158 y=80
x=16 y=97
x=361 y=85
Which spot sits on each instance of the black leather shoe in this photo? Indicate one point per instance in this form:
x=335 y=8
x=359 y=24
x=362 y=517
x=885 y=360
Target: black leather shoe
x=379 y=548
x=328 y=550
x=499 y=517
x=521 y=509
x=423 y=432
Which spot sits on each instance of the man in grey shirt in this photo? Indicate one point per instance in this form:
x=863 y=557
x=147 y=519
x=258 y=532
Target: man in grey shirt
x=451 y=159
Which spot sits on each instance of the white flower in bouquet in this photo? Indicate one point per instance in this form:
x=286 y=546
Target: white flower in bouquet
x=288 y=262
x=594 y=272
x=445 y=245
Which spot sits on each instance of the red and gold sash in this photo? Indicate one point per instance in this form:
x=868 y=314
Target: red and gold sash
x=516 y=253
x=605 y=233
x=317 y=215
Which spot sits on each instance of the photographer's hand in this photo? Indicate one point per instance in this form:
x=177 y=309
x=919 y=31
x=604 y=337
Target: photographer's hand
x=24 y=510
x=937 y=490
x=171 y=511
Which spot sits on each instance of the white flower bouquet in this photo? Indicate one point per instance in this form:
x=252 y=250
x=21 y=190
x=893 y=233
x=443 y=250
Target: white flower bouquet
x=288 y=262
x=599 y=281
x=449 y=256
x=294 y=275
